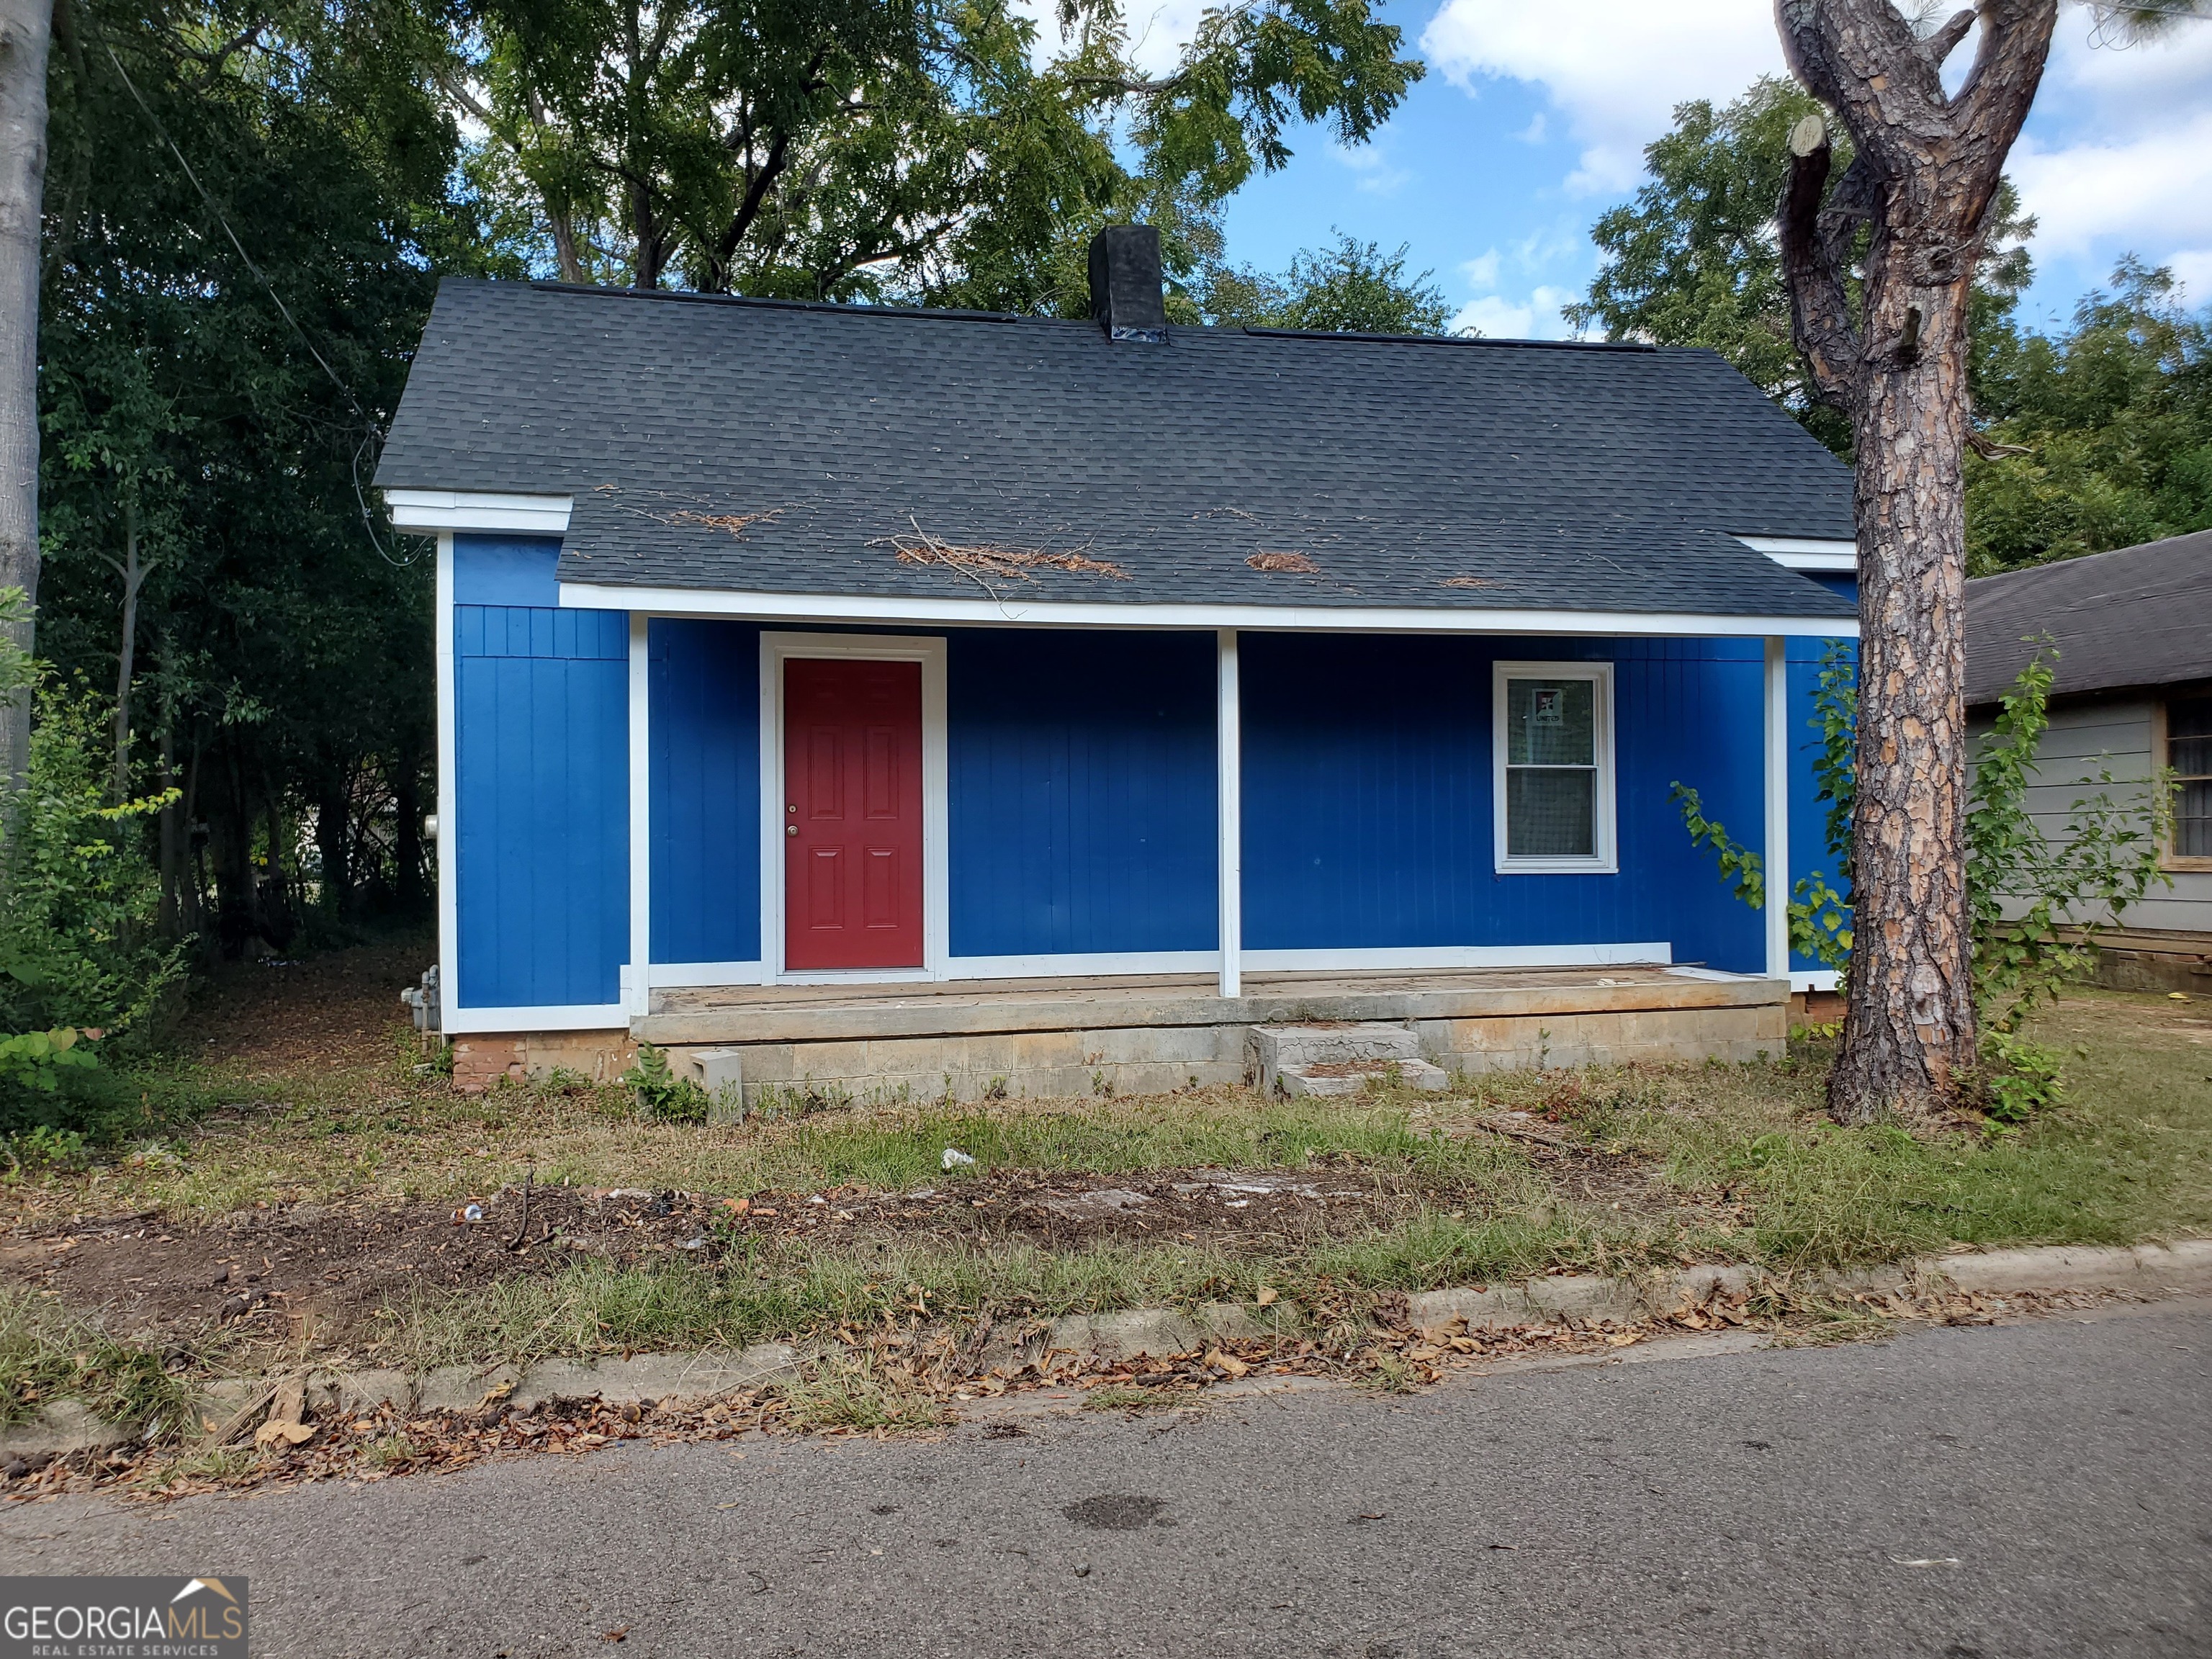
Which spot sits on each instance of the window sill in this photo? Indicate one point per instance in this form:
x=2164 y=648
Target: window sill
x=1558 y=867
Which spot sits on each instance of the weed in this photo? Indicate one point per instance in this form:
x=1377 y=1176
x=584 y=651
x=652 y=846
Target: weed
x=842 y=1391
x=47 y=1355
x=660 y=1093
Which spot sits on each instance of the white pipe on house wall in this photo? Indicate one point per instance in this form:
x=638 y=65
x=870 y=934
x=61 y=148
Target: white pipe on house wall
x=1777 y=809
x=1229 y=742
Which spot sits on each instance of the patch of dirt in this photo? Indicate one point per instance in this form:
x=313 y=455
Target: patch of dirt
x=332 y=1009
x=279 y=1274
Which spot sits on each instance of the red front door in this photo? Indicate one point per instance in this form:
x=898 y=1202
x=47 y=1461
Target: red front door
x=852 y=819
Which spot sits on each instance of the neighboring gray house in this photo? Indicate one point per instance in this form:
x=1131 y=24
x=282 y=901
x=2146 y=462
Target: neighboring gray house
x=2132 y=629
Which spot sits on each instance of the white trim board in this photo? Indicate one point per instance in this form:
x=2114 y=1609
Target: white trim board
x=1102 y=965
x=1321 y=619
x=685 y=975
x=1423 y=958
x=1806 y=553
x=428 y=512
x=636 y=994
x=572 y=1017
x=449 y=902
x=1229 y=812
x=1813 y=979
x=1775 y=766
x=936 y=791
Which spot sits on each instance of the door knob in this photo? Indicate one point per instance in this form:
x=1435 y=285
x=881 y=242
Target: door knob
x=790 y=829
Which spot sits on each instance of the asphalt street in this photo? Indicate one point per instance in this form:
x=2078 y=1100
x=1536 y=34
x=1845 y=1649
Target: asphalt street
x=2000 y=1492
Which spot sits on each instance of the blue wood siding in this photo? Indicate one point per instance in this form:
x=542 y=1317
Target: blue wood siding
x=541 y=821
x=1368 y=796
x=1808 y=816
x=1083 y=790
x=705 y=739
x=510 y=570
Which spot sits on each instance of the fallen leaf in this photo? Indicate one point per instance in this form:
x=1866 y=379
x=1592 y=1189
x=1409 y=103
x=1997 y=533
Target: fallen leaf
x=619 y=1633
x=737 y=1206
x=295 y=1434
x=1227 y=1362
x=1268 y=1296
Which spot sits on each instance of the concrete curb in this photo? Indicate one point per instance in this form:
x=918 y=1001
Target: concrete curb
x=66 y=1427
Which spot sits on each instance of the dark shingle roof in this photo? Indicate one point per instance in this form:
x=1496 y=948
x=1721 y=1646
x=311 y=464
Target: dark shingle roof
x=766 y=448
x=2135 y=616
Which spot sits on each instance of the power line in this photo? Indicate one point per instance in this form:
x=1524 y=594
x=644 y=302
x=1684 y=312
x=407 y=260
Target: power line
x=370 y=430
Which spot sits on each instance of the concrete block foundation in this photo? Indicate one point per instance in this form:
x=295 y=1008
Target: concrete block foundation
x=819 y=1046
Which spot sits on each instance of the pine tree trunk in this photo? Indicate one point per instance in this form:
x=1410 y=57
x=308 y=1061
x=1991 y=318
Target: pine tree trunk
x=25 y=30
x=1909 y=1024
x=1910 y=220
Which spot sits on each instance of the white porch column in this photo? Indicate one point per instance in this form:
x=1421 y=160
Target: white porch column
x=1777 y=809
x=637 y=987
x=1229 y=744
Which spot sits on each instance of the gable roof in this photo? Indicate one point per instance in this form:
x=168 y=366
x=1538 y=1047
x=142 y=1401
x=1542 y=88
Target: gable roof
x=2135 y=616
x=763 y=446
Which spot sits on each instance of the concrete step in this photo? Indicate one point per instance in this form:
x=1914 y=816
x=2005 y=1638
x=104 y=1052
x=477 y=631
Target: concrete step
x=1352 y=1077
x=1335 y=1057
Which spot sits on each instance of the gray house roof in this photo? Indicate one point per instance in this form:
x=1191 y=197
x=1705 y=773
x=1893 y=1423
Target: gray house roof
x=768 y=447
x=2135 y=616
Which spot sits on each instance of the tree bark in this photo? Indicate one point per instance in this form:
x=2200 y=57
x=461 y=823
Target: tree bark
x=334 y=842
x=26 y=28
x=134 y=580
x=1911 y=217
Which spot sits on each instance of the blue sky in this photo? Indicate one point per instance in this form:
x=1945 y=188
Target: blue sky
x=1533 y=118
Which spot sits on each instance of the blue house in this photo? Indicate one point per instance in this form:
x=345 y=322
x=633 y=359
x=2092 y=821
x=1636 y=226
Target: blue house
x=825 y=675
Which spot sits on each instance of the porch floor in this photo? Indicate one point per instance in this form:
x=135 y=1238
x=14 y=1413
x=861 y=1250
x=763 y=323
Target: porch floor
x=853 y=1008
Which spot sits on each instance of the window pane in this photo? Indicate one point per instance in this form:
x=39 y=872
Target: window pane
x=2192 y=821
x=2191 y=756
x=2190 y=717
x=1551 y=814
x=1551 y=723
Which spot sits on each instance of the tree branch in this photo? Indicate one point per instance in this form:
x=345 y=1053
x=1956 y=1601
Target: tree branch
x=1994 y=102
x=1820 y=309
x=1941 y=45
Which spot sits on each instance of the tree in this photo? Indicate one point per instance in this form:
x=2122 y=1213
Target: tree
x=1692 y=259
x=2108 y=429
x=210 y=408
x=1348 y=287
x=1912 y=215
x=871 y=148
x=25 y=31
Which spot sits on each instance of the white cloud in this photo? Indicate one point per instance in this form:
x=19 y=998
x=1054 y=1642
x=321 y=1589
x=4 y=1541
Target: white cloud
x=1535 y=131
x=2193 y=266
x=2117 y=156
x=1614 y=69
x=1536 y=317
x=2147 y=192
x=1157 y=37
x=1481 y=271
x=1370 y=162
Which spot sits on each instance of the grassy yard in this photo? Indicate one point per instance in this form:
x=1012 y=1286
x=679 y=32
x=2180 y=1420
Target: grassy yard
x=318 y=1156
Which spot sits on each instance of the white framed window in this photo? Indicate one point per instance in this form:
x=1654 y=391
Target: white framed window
x=1551 y=766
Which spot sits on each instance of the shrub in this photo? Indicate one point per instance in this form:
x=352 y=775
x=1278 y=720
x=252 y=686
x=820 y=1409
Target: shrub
x=81 y=959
